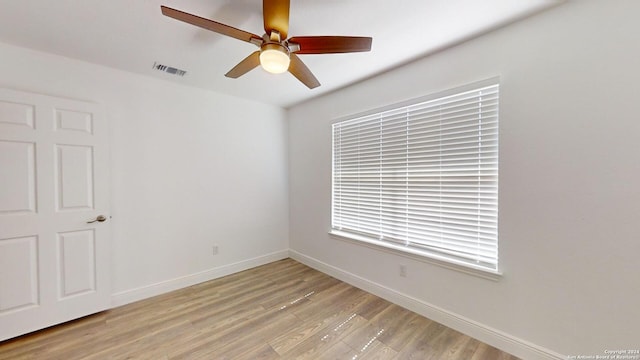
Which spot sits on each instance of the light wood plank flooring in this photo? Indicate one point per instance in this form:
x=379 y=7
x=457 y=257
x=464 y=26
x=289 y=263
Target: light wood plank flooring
x=283 y=310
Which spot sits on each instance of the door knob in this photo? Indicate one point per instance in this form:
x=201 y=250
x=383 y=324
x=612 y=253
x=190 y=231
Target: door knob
x=100 y=218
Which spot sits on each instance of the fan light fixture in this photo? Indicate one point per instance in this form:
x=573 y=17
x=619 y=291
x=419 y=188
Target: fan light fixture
x=274 y=58
x=278 y=52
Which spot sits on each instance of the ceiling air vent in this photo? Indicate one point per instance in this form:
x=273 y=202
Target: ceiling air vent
x=169 y=69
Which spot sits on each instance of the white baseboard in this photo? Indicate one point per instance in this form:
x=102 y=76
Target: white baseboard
x=145 y=292
x=505 y=342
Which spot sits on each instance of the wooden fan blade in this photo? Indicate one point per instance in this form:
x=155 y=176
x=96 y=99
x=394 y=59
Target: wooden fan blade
x=244 y=66
x=209 y=24
x=276 y=16
x=302 y=72
x=331 y=44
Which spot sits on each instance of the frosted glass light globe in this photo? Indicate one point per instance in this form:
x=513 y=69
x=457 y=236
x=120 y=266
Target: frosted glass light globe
x=274 y=59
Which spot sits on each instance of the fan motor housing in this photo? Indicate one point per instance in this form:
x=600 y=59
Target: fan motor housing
x=274 y=46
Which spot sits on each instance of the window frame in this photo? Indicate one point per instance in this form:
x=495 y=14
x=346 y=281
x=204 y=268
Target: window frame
x=407 y=251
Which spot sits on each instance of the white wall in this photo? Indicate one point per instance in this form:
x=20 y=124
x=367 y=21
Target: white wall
x=190 y=169
x=569 y=181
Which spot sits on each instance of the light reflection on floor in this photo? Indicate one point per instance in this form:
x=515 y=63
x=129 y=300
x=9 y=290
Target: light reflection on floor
x=368 y=344
x=297 y=300
x=337 y=328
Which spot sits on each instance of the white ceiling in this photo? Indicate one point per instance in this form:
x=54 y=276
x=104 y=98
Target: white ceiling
x=132 y=34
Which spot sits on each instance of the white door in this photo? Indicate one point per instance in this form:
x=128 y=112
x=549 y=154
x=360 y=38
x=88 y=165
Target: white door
x=54 y=264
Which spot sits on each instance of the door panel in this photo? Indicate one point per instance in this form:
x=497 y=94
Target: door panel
x=17 y=114
x=74 y=177
x=77 y=263
x=18 y=273
x=67 y=120
x=54 y=264
x=18 y=191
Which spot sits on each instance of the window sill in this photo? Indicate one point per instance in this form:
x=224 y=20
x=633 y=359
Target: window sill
x=416 y=255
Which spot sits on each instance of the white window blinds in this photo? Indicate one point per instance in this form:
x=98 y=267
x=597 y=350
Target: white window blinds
x=422 y=178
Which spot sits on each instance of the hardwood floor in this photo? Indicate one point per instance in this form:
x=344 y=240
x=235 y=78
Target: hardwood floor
x=283 y=310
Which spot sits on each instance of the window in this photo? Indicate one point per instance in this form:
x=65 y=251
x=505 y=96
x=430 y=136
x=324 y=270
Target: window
x=423 y=177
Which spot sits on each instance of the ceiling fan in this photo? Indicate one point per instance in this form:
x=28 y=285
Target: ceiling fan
x=277 y=53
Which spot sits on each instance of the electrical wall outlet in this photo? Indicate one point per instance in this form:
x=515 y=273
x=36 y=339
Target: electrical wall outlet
x=214 y=250
x=403 y=270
